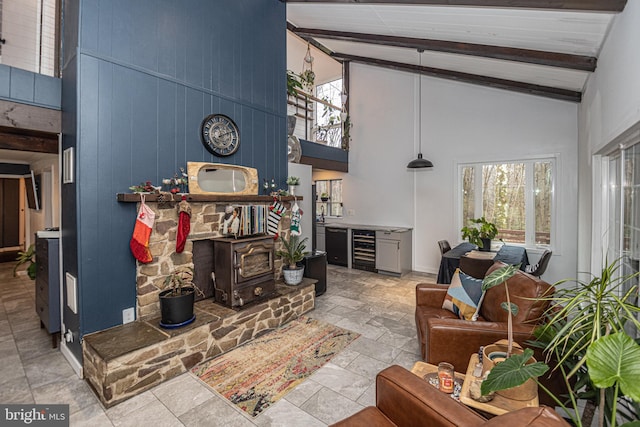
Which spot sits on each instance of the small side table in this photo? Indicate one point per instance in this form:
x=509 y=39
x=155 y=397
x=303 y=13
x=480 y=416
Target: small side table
x=498 y=405
x=429 y=372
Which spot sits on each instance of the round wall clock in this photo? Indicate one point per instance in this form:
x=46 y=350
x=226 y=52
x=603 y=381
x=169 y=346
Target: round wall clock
x=220 y=135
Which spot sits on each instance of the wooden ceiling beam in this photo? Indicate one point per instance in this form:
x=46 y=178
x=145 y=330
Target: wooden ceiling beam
x=28 y=140
x=551 y=59
x=310 y=40
x=612 y=6
x=531 y=89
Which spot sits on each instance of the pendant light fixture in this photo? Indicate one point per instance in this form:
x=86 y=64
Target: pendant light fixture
x=420 y=163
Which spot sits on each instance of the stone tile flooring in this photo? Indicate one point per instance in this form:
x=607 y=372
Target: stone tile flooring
x=379 y=307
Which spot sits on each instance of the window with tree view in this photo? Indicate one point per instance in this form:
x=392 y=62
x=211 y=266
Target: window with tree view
x=328 y=122
x=516 y=196
x=329 y=197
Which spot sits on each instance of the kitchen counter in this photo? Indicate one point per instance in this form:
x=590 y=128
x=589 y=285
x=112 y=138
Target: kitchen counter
x=348 y=245
x=364 y=227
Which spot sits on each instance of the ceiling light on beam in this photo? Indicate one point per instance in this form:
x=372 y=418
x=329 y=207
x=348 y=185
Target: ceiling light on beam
x=420 y=163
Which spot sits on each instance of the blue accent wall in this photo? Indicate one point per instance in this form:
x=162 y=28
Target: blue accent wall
x=321 y=151
x=29 y=88
x=144 y=75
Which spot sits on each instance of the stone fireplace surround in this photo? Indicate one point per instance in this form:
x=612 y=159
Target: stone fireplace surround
x=126 y=360
x=206 y=217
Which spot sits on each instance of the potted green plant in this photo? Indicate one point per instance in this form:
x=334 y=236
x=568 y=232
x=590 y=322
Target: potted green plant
x=494 y=353
x=587 y=334
x=177 y=298
x=293 y=83
x=293 y=252
x=28 y=256
x=293 y=182
x=324 y=197
x=480 y=232
x=308 y=78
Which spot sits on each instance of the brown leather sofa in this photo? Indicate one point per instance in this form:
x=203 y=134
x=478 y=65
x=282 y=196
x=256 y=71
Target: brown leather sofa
x=406 y=400
x=445 y=337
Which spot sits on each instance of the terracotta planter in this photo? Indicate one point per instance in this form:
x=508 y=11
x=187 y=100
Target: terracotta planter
x=495 y=353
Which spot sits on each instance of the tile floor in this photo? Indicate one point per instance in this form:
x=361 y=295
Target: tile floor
x=379 y=307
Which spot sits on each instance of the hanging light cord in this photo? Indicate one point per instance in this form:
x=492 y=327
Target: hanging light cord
x=420 y=162
x=420 y=102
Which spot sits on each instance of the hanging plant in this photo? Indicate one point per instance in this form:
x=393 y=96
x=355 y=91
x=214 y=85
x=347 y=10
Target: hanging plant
x=293 y=83
x=308 y=78
x=346 y=132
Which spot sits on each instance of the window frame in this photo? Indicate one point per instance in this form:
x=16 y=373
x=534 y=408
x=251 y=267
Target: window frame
x=330 y=202
x=529 y=162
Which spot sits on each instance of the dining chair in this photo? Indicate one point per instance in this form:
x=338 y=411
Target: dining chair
x=475 y=267
x=541 y=266
x=444 y=246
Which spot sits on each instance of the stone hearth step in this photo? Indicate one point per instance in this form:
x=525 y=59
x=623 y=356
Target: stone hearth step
x=126 y=360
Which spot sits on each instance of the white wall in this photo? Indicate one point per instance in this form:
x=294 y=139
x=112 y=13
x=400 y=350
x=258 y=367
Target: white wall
x=460 y=123
x=306 y=204
x=326 y=68
x=610 y=105
x=611 y=100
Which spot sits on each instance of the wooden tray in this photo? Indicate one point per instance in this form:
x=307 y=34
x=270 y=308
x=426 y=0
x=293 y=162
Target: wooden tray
x=499 y=405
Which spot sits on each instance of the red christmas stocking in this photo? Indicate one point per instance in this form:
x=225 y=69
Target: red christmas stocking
x=184 y=224
x=139 y=243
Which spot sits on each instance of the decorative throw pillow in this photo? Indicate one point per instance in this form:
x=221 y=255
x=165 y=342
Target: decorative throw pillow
x=463 y=296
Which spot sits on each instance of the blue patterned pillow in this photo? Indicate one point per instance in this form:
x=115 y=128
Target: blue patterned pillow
x=463 y=296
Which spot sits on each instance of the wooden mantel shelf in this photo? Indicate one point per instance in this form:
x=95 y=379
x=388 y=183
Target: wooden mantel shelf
x=135 y=198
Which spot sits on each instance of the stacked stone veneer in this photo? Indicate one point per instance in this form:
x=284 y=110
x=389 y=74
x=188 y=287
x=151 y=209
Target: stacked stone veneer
x=206 y=219
x=126 y=360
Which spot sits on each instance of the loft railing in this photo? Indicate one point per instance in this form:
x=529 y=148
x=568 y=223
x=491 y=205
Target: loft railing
x=323 y=128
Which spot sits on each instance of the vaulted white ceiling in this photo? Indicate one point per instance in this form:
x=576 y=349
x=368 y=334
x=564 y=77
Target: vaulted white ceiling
x=544 y=51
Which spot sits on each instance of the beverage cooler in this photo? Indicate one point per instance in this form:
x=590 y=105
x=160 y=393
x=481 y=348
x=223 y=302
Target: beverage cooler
x=364 y=250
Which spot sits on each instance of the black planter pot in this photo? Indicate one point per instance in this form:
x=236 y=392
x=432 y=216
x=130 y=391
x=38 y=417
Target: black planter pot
x=176 y=309
x=486 y=245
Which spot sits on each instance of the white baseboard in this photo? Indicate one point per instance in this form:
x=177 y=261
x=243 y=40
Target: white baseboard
x=75 y=364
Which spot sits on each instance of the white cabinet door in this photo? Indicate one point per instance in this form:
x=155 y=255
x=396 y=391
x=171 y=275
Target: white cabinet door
x=388 y=255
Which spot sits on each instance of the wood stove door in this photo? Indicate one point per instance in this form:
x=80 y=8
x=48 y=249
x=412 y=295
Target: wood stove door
x=253 y=259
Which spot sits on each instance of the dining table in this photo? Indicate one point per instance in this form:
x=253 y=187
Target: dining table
x=509 y=254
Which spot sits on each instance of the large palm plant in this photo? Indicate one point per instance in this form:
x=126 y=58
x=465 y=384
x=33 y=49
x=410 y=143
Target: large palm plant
x=586 y=334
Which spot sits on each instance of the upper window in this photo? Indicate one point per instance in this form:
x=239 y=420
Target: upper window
x=329 y=197
x=328 y=122
x=516 y=196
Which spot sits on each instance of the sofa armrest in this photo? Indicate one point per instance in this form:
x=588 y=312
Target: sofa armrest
x=408 y=400
x=430 y=295
x=455 y=340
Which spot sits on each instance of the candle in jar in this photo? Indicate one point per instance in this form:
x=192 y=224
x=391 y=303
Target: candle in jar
x=445 y=377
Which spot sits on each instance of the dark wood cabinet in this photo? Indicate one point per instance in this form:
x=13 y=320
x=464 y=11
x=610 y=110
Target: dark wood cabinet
x=48 y=285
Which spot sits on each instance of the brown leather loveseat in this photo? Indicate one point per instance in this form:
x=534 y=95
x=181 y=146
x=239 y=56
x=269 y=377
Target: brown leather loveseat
x=406 y=400
x=445 y=337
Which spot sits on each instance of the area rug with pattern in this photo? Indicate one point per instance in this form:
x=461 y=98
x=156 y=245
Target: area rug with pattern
x=260 y=372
